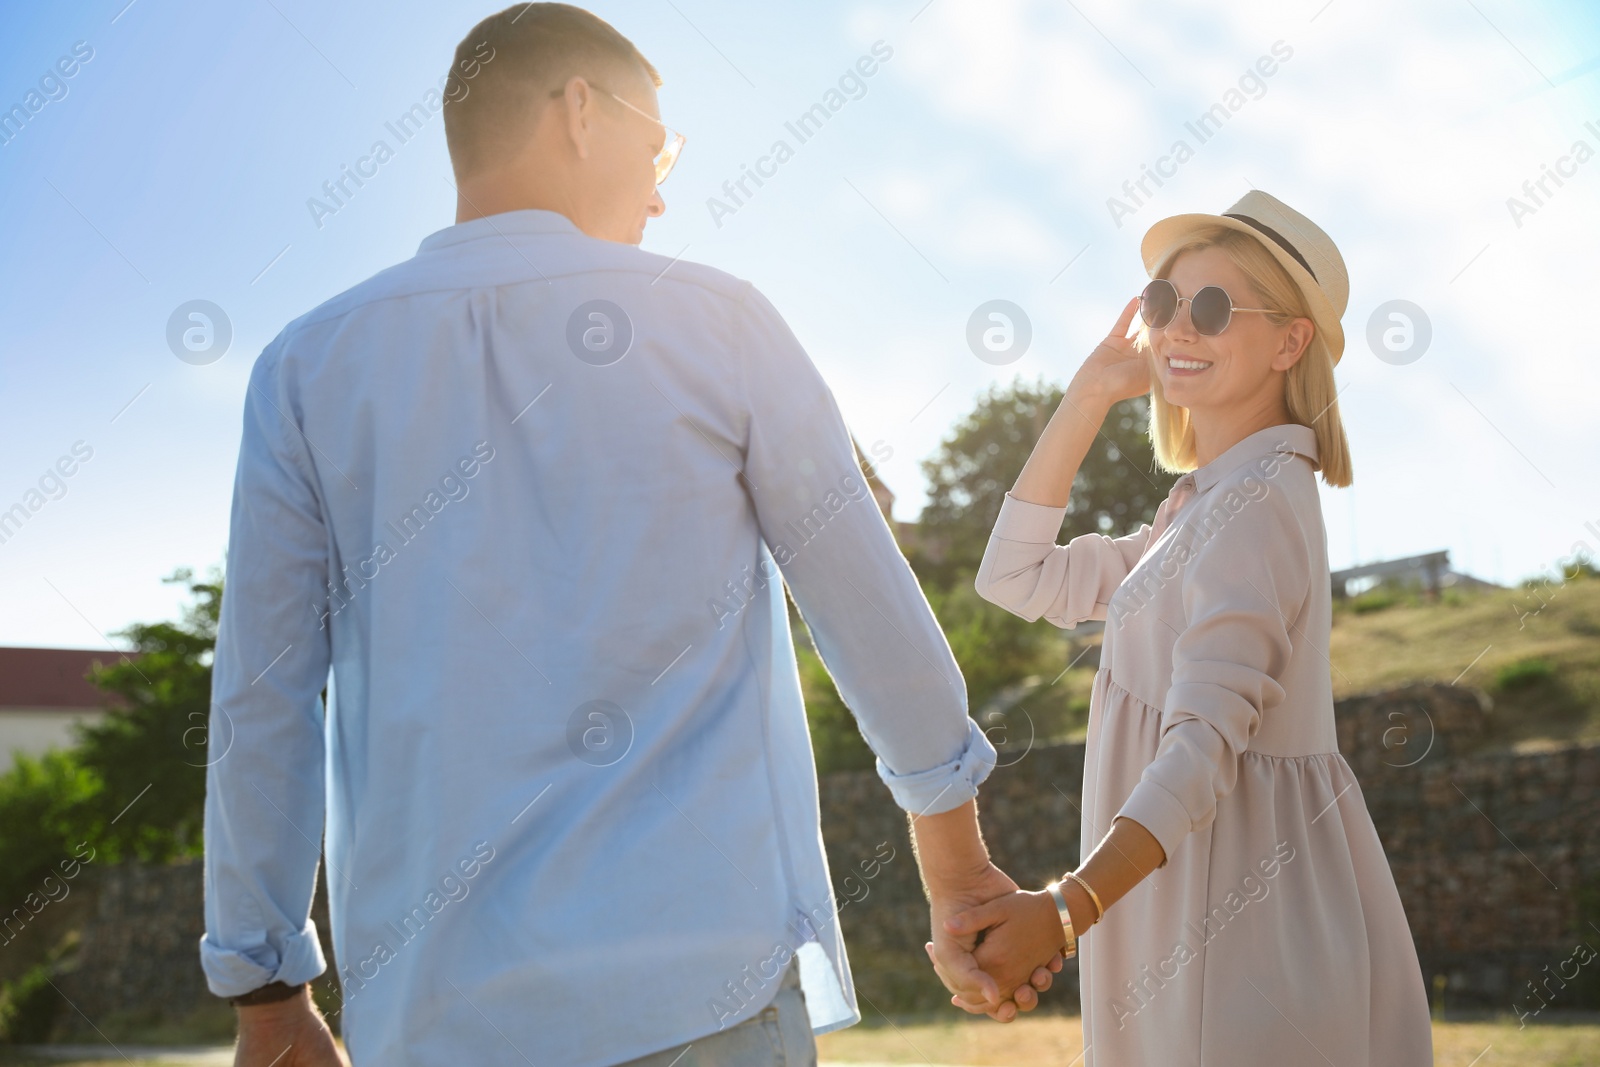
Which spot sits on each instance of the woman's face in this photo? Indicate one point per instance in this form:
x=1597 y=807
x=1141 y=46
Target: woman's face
x=1237 y=366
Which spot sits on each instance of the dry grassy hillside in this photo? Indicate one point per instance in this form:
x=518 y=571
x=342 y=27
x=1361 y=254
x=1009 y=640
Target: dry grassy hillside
x=1536 y=652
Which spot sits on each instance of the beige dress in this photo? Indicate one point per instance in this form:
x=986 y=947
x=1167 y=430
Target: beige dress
x=1273 y=934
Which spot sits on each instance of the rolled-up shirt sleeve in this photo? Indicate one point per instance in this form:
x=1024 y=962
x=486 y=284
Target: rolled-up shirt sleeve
x=872 y=626
x=1026 y=572
x=1242 y=590
x=265 y=799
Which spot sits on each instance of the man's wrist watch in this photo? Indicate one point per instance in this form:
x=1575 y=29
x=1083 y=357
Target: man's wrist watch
x=1071 y=949
x=270 y=993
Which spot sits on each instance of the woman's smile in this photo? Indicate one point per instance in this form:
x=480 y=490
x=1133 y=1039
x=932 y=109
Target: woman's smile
x=1181 y=367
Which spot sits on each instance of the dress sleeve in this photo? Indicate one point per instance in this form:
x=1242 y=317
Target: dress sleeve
x=1027 y=573
x=1243 y=587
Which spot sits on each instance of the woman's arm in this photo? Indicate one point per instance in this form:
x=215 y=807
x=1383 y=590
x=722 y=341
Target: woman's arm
x=1126 y=856
x=1052 y=467
x=1024 y=570
x=1114 y=371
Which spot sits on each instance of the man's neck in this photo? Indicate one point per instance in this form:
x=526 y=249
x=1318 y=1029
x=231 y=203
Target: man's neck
x=500 y=191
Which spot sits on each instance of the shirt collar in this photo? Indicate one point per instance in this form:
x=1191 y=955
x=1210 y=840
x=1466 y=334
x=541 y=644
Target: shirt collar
x=1287 y=438
x=506 y=223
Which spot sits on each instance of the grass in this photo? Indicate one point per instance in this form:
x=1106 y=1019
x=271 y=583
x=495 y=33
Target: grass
x=1463 y=1040
x=1479 y=1041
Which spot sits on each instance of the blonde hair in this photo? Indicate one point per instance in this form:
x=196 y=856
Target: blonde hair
x=1309 y=391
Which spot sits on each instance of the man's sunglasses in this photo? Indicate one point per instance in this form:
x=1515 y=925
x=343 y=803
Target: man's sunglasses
x=670 y=150
x=1210 y=310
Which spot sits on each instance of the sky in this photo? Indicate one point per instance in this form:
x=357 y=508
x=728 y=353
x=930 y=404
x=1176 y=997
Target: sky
x=992 y=154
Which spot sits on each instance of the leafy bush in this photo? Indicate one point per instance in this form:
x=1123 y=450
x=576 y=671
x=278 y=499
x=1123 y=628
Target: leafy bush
x=29 y=1007
x=1523 y=674
x=41 y=799
x=1376 y=599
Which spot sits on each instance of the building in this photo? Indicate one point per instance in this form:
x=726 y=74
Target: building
x=45 y=692
x=1430 y=571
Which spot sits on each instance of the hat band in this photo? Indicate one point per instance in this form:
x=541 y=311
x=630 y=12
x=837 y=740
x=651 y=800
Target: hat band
x=1277 y=239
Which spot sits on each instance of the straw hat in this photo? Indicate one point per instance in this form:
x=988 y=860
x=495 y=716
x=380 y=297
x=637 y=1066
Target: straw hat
x=1308 y=254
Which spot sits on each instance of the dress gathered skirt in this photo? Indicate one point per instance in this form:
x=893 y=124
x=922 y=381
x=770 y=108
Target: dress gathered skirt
x=1273 y=932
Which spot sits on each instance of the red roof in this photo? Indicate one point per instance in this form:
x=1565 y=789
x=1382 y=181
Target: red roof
x=54 y=677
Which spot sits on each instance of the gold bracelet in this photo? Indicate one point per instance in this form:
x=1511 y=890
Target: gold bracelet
x=1099 y=911
x=1069 y=935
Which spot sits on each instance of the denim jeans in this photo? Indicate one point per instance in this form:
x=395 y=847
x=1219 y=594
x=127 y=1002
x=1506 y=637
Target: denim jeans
x=779 y=1035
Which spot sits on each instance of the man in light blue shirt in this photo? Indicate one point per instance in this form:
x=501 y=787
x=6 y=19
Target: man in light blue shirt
x=528 y=495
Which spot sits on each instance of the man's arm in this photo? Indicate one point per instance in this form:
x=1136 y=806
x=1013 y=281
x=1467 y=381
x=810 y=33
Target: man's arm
x=870 y=621
x=264 y=805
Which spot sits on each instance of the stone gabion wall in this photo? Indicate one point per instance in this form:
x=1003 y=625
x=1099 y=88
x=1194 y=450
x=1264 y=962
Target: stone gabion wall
x=130 y=961
x=1497 y=859
x=139 y=958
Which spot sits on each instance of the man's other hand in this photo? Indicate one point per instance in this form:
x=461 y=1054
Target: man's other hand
x=287 y=1033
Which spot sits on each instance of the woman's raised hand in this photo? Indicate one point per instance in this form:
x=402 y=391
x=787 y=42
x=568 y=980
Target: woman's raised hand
x=1116 y=370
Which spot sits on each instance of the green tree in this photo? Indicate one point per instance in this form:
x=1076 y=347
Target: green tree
x=994 y=648
x=1118 y=487
x=133 y=786
x=149 y=758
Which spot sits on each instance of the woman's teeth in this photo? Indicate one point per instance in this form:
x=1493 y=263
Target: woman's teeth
x=1186 y=364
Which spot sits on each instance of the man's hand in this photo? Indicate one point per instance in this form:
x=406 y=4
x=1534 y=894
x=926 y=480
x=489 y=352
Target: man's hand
x=1019 y=930
x=957 y=874
x=288 y=1033
x=981 y=980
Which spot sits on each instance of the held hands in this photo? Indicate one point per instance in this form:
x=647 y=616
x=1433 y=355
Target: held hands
x=994 y=982
x=989 y=937
x=1020 y=931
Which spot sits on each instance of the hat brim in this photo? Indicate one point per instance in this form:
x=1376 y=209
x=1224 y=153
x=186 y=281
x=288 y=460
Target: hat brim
x=1174 y=230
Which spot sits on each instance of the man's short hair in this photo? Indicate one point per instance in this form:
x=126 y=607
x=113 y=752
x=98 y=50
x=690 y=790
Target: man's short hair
x=505 y=69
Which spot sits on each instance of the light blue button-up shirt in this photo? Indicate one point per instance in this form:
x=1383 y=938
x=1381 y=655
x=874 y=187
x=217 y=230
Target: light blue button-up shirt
x=527 y=495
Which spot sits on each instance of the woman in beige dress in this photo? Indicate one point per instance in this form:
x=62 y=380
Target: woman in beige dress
x=1246 y=913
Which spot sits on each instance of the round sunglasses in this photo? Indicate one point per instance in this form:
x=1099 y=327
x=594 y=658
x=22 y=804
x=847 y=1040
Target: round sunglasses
x=1210 y=310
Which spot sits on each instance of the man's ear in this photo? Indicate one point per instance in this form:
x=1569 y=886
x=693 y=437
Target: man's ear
x=578 y=104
